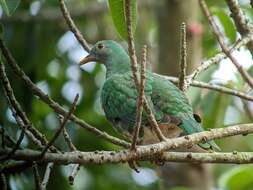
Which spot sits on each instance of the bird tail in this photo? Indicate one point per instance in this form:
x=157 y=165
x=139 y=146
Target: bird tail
x=190 y=125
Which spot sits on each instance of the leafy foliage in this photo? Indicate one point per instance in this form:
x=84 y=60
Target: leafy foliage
x=9 y=6
x=238 y=178
x=117 y=9
x=227 y=24
x=48 y=54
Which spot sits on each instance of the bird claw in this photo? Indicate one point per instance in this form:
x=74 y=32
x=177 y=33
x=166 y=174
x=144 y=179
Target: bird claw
x=133 y=165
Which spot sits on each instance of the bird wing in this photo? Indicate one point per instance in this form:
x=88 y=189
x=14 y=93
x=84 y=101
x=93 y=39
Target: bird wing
x=167 y=98
x=119 y=96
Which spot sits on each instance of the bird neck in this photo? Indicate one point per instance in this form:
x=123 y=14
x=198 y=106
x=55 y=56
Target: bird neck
x=117 y=65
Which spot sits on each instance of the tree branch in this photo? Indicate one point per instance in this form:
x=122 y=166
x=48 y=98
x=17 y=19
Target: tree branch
x=20 y=116
x=140 y=98
x=72 y=26
x=218 y=57
x=3 y=181
x=54 y=105
x=46 y=177
x=134 y=67
x=151 y=152
x=75 y=167
x=183 y=60
x=58 y=132
x=214 y=87
x=242 y=23
x=245 y=75
x=68 y=140
x=74 y=171
x=36 y=176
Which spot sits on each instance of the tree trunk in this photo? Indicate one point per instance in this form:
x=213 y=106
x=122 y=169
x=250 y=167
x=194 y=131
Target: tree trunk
x=170 y=16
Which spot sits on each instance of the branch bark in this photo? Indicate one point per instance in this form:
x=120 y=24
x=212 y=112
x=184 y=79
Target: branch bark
x=134 y=67
x=151 y=152
x=72 y=26
x=242 y=22
x=245 y=75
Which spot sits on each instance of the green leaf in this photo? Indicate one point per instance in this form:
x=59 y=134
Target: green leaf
x=214 y=106
x=9 y=6
x=117 y=9
x=238 y=178
x=227 y=23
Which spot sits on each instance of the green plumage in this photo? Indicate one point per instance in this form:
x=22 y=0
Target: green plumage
x=119 y=94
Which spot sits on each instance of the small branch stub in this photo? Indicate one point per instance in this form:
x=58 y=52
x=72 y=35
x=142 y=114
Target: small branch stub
x=183 y=59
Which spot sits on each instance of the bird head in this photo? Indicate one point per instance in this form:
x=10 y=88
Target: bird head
x=107 y=52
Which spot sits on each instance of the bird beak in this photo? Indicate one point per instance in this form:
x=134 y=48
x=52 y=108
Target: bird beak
x=87 y=59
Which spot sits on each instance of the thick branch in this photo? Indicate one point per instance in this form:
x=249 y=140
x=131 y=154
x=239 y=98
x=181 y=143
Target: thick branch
x=151 y=152
x=105 y=157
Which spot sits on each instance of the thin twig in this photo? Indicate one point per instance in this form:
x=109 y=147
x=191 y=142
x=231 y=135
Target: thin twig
x=218 y=57
x=242 y=22
x=72 y=26
x=59 y=130
x=9 y=141
x=214 y=87
x=183 y=59
x=76 y=167
x=16 y=147
x=47 y=176
x=133 y=58
x=54 y=105
x=245 y=75
x=36 y=176
x=18 y=112
x=2 y=131
x=16 y=167
x=3 y=181
x=246 y=107
x=68 y=140
x=140 y=98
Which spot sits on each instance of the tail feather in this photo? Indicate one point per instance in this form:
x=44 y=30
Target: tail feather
x=190 y=126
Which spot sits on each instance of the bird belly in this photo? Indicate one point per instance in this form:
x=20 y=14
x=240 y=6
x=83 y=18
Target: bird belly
x=169 y=131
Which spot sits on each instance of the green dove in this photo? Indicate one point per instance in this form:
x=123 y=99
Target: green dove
x=171 y=108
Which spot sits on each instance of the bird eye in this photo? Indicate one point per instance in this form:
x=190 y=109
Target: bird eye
x=101 y=46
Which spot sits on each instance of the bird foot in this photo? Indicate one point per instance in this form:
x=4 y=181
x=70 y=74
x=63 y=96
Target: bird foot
x=133 y=165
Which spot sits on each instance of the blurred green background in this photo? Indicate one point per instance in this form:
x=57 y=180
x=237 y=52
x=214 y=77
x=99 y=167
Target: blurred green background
x=49 y=53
